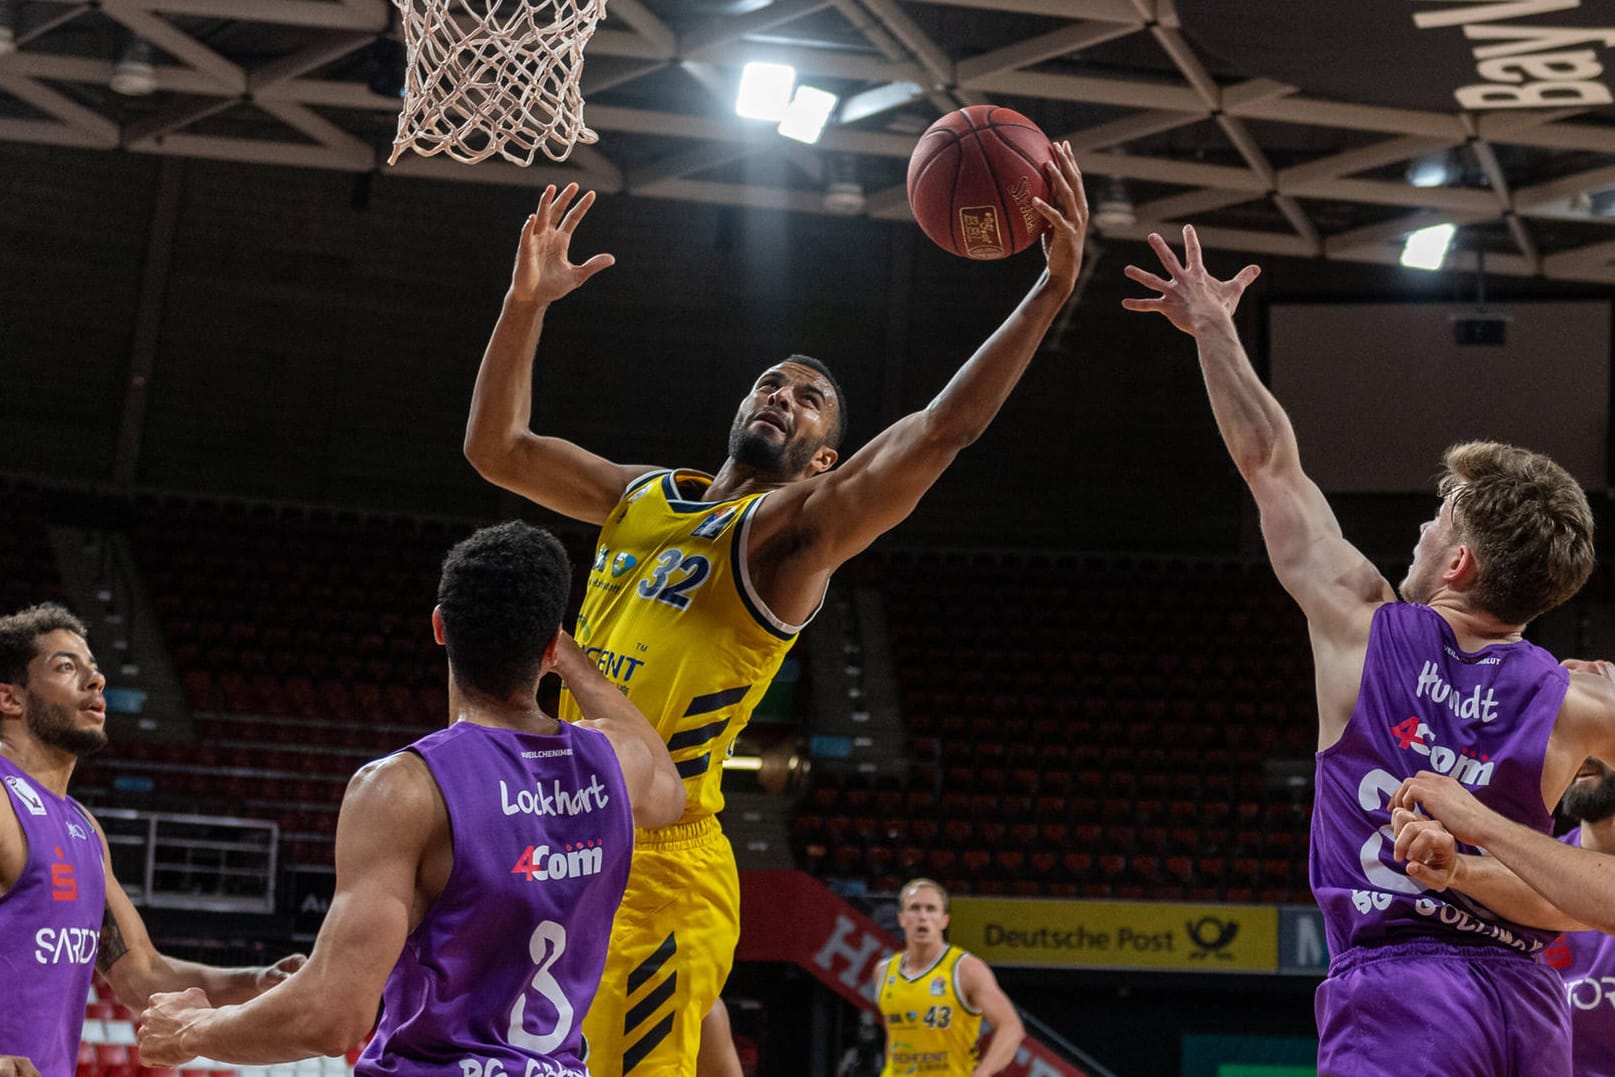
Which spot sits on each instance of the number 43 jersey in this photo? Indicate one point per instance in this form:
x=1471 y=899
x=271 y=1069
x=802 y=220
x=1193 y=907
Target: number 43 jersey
x=670 y=615
x=929 y=1028
x=497 y=976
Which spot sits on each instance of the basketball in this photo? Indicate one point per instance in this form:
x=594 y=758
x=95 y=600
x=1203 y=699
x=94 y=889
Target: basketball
x=972 y=178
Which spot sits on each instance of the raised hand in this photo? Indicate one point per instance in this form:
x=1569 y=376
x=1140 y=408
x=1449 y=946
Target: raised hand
x=1191 y=292
x=1068 y=223
x=544 y=272
x=17 y=1066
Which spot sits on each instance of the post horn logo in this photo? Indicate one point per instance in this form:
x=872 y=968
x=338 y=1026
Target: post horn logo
x=1211 y=937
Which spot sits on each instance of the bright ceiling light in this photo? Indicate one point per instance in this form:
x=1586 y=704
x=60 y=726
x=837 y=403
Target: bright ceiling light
x=1431 y=170
x=1427 y=248
x=807 y=114
x=765 y=91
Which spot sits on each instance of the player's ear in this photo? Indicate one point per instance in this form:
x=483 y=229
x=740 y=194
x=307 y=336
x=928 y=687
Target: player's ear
x=13 y=700
x=437 y=624
x=1462 y=568
x=824 y=460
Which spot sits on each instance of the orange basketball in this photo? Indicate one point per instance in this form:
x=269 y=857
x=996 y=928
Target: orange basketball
x=972 y=178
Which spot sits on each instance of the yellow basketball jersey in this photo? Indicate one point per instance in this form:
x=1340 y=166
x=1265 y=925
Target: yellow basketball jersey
x=929 y=1029
x=670 y=615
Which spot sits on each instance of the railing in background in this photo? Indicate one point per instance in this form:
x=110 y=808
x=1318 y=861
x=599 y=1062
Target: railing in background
x=206 y=862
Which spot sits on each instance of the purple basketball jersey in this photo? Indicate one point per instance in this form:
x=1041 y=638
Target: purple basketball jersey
x=1586 y=962
x=1484 y=719
x=498 y=975
x=50 y=925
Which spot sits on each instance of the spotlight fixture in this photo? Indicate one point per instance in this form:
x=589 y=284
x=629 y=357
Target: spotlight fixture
x=1115 y=210
x=1432 y=170
x=1427 y=247
x=807 y=114
x=765 y=91
x=135 y=75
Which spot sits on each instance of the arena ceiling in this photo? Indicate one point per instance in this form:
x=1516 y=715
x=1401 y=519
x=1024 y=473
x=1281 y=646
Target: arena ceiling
x=1165 y=130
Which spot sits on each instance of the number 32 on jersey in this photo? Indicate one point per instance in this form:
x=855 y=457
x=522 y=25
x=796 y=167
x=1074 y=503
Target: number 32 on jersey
x=673 y=577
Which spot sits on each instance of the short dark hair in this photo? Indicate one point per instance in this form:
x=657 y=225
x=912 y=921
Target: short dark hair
x=1528 y=522
x=19 y=637
x=839 y=431
x=502 y=595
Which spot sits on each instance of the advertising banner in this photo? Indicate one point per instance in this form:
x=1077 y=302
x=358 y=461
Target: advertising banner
x=1118 y=935
x=1475 y=55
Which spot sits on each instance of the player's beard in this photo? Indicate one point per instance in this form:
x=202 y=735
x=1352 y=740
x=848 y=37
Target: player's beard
x=787 y=459
x=52 y=724
x=1594 y=801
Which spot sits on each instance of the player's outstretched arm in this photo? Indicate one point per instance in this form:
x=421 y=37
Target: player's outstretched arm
x=136 y=970
x=1579 y=882
x=1433 y=860
x=499 y=441
x=1335 y=585
x=390 y=815
x=654 y=786
x=979 y=988
x=838 y=515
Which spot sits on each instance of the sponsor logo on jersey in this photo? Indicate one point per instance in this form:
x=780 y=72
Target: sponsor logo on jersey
x=619 y=667
x=713 y=525
x=939 y=986
x=574 y=860
x=600 y=556
x=78 y=832
x=1468 y=766
x=27 y=794
x=64 y=885
x=555 y=801
x=622 y=563
x=66 y=945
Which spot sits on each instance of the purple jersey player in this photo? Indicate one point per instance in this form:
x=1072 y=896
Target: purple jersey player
x=478 y=870
x=54 y=907
x=1583 y=957
x=1585 y=961
x=62 y=912
x=1419 y=982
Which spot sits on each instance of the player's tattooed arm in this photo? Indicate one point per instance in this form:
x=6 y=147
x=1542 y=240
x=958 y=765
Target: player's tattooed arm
x=111 y=946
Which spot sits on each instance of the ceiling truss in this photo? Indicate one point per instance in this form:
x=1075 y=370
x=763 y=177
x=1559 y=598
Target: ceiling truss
x=289 y=62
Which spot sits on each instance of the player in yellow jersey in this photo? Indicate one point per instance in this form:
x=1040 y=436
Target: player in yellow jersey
x=700 y=583
x=934 y=996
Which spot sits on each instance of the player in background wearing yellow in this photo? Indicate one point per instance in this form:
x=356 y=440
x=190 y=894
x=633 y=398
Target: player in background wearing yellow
x=700 y=584
x=934 y=996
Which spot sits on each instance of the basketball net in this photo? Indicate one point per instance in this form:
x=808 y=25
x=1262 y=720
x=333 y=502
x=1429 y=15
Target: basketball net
x=480 y=83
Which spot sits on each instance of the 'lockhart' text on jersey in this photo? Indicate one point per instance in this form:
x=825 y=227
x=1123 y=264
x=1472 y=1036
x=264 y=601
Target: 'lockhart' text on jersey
x=497 y=976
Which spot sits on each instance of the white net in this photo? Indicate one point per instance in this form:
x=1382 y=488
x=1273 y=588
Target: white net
x=490 y=77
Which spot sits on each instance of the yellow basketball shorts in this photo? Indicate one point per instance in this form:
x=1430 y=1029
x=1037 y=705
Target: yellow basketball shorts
x=672 y=946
